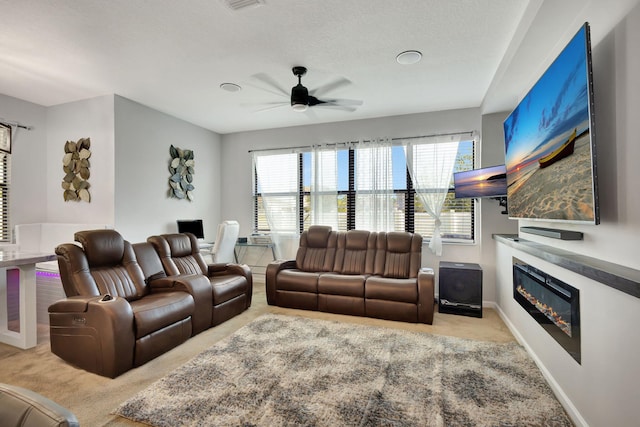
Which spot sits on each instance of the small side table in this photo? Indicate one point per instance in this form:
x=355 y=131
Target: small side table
x=460 y=288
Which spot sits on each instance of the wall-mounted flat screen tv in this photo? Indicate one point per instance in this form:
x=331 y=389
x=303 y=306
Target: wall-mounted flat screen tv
x=483 y=182
x=193 y=226
x=550 y=142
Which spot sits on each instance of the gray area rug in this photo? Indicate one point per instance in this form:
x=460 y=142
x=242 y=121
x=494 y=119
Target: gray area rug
x=286 y=370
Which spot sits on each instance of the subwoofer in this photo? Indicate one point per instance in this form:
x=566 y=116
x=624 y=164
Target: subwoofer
x=460 y=288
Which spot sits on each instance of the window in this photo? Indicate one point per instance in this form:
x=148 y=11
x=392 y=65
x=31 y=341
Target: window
x=355 y=183
x=5 y=163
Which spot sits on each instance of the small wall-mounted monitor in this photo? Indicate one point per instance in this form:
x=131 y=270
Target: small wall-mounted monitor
x=485 y=182
x=193 y=226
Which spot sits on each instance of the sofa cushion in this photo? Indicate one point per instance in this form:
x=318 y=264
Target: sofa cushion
x=402 y=254
x=317 y=249
x=101 y=247
x=313 y=259
x=384 y=288
x=397 y=265
x=296 y=280
x=227 y=286
x=341 y=284
x=179 y=253
x=156 y=311
x=355 y=252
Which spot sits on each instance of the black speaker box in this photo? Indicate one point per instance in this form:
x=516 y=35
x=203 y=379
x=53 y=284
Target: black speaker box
x=460 y=288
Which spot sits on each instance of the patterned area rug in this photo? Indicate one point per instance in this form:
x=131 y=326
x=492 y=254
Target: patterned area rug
x=287 y=370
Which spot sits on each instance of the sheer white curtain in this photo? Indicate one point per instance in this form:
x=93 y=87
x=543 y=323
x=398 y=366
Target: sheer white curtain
x=279 y=197
x=374 y=185
x=324 y=186
x=436 y=159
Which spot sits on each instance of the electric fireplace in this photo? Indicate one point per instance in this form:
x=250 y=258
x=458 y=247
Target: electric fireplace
x=554 y=304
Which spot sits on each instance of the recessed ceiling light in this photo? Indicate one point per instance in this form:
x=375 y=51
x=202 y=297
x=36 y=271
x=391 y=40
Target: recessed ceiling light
x=241 y=4
x=409 y=57
x=230 y=87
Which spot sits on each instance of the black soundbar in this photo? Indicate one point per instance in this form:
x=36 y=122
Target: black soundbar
x=554 y=233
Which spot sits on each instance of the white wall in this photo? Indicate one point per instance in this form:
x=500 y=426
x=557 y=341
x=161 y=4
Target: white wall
x=143 y=137
x=492 y=220
x=92 y=118
x=603 y=390
x=28 y=195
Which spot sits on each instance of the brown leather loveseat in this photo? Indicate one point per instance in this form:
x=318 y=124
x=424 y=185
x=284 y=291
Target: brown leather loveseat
x=231 y=284
x=120 y=313
x=357 y=272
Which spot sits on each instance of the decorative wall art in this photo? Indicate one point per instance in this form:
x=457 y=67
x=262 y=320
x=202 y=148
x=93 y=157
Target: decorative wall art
x=181 y=168
x=5 y=138
x=75 y=165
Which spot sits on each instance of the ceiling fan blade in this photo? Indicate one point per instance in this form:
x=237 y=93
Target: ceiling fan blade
x=311 y=114
x=273 y=86
x=340 y=104
x=266 y=106
x=336 y=107
x=343 y=102
x=328 y=87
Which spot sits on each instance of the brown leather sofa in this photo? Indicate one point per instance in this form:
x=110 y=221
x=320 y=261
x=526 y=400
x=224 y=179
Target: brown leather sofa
x=20 y=407
x=231 y=284
x=361 y=273
x=120 y=313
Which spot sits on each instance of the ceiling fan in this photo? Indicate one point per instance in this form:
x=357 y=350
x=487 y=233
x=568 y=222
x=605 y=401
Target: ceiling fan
x=301 y=98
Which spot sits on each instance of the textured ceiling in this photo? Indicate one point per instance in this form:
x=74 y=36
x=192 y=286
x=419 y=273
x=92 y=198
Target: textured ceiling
x=172 y=55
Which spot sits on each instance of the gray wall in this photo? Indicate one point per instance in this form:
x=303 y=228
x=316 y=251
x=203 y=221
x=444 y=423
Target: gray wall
x=90 y=118
x=28 y=160
x=143 y=138
x=129 y=166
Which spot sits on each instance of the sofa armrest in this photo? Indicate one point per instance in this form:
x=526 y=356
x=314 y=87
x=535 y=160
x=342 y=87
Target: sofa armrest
x=229 y=268
x=216 y=267
x=236 y=269
x=426 y=295
x=199 y=287
x=95 y=335
x=273 y=268
x=26 y=408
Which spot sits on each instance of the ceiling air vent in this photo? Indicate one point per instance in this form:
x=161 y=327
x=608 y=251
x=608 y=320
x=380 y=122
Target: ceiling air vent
x=243 y=4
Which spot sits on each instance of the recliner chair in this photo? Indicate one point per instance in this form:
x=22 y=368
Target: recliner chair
x=231 y=284
x=112 y=320
x=20 y=407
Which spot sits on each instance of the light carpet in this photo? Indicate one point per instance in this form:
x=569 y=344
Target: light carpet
x=288 y=370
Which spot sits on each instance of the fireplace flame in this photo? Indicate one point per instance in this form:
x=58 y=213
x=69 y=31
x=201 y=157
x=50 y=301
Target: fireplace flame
x=546 y=310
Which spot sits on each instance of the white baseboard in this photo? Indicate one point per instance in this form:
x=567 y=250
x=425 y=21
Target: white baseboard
x=568 y=405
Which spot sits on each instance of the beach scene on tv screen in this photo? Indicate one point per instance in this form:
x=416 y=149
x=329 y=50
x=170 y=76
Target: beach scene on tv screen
x=548 y=143
x=486 y=182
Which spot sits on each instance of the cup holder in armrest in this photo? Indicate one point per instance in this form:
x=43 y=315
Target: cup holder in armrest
x=106 y=298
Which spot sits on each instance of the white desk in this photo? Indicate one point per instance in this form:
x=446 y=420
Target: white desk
x=240 y=253
x=26 y=264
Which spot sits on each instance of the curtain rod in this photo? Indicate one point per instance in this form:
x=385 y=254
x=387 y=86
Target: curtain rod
x=470 y=132
x=16 y=124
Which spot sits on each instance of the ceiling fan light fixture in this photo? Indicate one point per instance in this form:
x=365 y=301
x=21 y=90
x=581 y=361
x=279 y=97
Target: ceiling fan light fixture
x=299 y=108
x=409 y=57
x=299 y=98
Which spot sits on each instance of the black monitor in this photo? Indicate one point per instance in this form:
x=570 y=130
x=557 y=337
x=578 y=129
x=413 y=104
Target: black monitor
x=191 y=226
